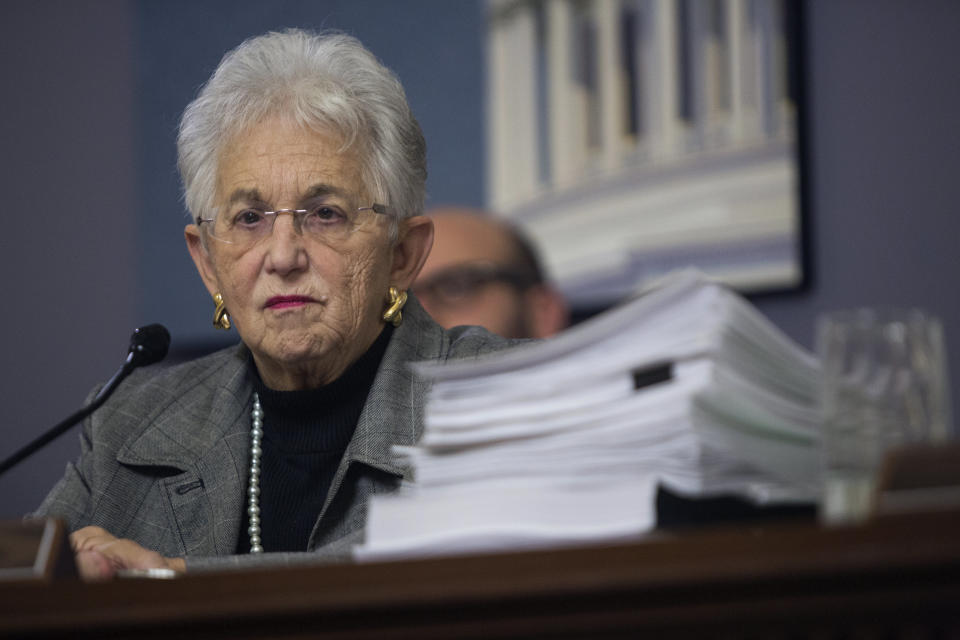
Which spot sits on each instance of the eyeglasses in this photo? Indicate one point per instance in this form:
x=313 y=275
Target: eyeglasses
x=324 y=222
x=458 y=284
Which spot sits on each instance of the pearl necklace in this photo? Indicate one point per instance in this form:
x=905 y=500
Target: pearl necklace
x=253 y=492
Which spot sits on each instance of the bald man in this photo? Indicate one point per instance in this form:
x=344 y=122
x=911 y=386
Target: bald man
x=482 y=271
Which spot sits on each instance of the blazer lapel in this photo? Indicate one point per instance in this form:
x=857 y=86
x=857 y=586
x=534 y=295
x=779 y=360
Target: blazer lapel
x=393 y=412
x=204 y=434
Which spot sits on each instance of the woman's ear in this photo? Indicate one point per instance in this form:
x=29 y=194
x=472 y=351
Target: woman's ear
x=201 y=257
x=411 y=250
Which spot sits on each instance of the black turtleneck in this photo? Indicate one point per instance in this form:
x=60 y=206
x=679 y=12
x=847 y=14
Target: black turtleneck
x=305 y=434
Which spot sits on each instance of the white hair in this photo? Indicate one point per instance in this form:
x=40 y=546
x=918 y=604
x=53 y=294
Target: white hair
x=327 y=82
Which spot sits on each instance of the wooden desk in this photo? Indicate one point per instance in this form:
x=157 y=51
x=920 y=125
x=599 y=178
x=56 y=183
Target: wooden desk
x=899 y=577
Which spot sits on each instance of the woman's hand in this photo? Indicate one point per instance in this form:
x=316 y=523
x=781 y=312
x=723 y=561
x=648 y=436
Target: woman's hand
x=100 y=555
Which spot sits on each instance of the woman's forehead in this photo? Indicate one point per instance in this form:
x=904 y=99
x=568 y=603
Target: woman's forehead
x=319 y=191
x=277 y=159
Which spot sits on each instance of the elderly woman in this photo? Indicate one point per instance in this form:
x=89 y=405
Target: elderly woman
x=304 y=171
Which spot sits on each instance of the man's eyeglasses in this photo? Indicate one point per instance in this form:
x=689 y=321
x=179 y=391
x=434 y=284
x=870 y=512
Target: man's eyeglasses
x=324 y=222
x=458 y=284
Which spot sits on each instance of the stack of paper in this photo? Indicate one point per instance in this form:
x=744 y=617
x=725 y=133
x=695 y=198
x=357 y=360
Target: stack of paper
x=566 y=440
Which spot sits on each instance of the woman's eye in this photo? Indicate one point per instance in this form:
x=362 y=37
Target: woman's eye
x=325 y=215
x=248 y=218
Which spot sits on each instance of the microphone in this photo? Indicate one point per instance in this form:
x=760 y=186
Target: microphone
x=148 y=345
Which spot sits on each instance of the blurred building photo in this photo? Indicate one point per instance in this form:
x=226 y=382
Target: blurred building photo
x=633 y=137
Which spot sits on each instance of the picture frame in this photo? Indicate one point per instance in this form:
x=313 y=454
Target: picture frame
x=631 y=138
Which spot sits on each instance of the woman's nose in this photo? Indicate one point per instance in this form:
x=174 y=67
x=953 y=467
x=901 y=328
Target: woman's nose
x=285 y=245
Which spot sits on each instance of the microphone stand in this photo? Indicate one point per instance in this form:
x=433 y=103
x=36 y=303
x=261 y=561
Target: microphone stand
x=144 y=350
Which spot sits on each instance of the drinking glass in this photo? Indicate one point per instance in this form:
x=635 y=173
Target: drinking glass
x=884 y=385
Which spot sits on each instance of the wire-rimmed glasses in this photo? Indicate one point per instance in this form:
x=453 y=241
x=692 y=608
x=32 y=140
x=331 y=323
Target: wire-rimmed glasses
x=324 y=222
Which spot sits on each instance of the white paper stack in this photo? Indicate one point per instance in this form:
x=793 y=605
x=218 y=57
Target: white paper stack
x=566 y=440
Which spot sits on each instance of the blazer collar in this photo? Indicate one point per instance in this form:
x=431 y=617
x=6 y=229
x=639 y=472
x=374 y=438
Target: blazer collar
x=170 y=437
x=200 y=427
x=392 y=414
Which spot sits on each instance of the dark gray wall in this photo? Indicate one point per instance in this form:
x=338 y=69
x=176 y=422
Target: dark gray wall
x=884 y=142
x=93 y=90
x=69 y=205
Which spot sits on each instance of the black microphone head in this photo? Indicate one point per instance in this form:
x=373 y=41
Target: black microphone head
x=148 y=345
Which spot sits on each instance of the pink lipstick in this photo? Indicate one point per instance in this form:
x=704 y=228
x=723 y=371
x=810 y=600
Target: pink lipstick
x=287 y=302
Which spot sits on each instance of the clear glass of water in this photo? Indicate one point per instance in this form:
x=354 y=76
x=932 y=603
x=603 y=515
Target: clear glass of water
x=884 y=386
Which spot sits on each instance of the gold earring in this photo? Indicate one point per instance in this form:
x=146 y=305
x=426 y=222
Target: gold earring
x=220 y=318
x=396 y=301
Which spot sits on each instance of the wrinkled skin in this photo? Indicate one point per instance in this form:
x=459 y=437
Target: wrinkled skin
x=311 y=344
x=342 y=290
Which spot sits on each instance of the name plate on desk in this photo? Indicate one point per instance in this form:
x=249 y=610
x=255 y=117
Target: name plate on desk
x=35 y=550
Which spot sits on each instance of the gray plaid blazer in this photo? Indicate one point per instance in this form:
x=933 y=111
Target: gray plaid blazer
x=164 y=462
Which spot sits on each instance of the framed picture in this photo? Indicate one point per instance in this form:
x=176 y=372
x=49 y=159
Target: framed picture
x=630 y=138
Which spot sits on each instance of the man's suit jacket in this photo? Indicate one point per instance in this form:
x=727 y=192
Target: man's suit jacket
x=164 y=462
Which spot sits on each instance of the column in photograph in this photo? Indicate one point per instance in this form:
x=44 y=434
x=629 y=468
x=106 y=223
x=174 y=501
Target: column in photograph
x=658 y=96
x=512 y=159
x=742 y=110
x=566 y=110
x=764 y=24
x=631 y=27
x=612 y=85
x=691 y=31
x=716 y=67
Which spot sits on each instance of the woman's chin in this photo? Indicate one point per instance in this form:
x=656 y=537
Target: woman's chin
x=298 y=350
